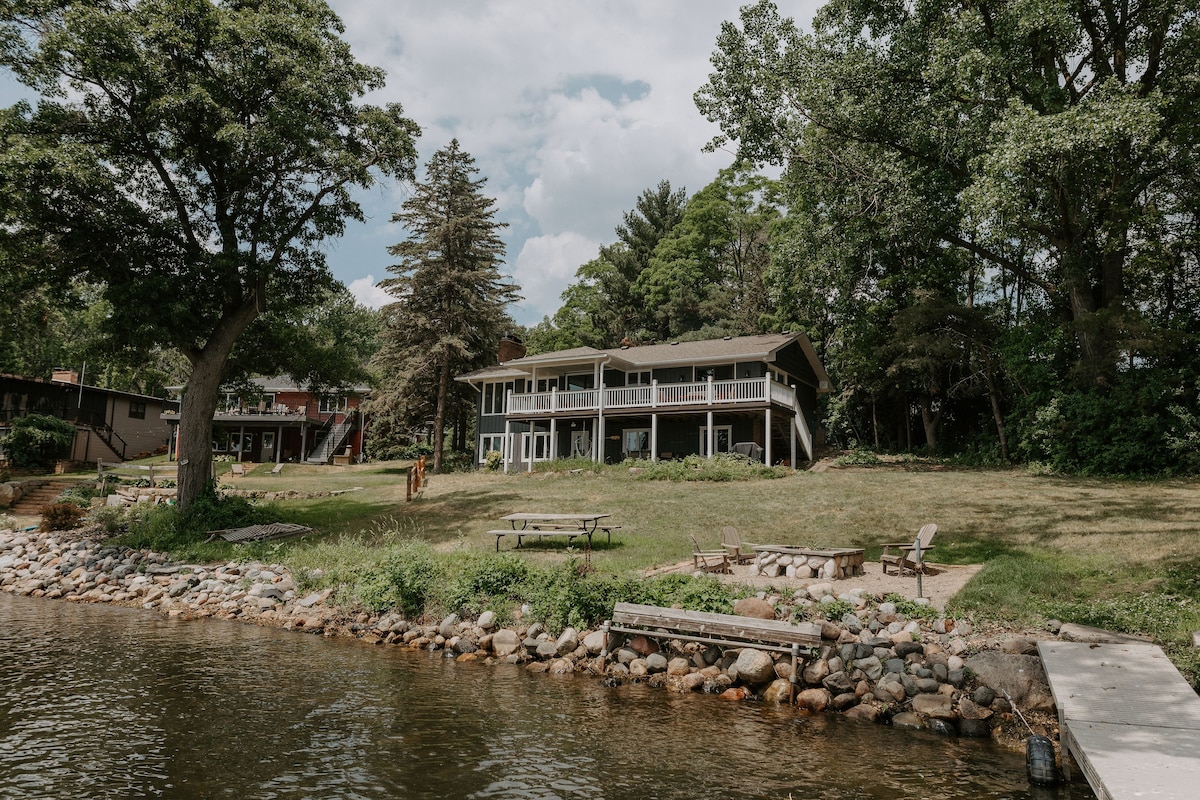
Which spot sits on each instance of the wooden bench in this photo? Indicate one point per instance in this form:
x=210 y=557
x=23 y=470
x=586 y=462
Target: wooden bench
x=570 y=533
x=726 y=630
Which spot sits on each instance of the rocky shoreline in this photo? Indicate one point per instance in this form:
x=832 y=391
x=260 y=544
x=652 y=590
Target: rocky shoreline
x=874 y=663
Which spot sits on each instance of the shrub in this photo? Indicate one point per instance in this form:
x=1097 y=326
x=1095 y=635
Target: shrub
x=721 y=467
x=485 y=581
x=166 y=528
x=34 y=441
x=403 y=579
x=111 y=519
x=493 y=460
x=80 y=494
x=7 y=522
x=61 y=517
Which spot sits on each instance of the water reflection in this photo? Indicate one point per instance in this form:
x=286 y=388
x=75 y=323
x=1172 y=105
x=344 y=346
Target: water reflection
x=104 y=702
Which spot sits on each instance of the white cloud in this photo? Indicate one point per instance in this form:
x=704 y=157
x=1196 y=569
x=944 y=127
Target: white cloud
x=367 y=293
x=544 y=266
x=570 y=108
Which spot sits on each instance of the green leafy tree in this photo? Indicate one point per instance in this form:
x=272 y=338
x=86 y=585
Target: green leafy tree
x=450 y=296
x=35 y=440
x=605 y=303
x=188 y=156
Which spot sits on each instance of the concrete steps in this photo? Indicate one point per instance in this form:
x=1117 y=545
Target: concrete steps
x=32 y=503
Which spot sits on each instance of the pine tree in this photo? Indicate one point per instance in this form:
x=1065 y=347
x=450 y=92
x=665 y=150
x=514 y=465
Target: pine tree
x=450 y=295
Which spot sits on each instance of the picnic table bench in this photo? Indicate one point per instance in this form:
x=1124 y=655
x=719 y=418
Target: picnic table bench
x=727 y=630
x=523 y=524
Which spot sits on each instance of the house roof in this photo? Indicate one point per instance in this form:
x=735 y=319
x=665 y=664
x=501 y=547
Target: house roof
x=761 y=347
x=283 y=383
x=87 y=387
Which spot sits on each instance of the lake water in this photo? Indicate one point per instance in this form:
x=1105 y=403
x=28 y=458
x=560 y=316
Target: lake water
x=100 y=702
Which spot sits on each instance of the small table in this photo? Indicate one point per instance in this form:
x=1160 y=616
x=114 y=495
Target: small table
x=569 y=525
x=848 y=561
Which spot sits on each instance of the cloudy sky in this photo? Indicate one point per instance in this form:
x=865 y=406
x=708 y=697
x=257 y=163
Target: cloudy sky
x=570 y=108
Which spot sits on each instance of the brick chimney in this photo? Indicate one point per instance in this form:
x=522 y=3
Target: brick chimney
x=61 y=375
x=510 y=348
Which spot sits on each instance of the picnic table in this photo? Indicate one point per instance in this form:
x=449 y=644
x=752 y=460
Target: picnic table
x=848 y=561
x=585 y=524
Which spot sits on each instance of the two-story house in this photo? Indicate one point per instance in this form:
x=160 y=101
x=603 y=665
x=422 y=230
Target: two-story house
x=277 y=420
x=750 y=394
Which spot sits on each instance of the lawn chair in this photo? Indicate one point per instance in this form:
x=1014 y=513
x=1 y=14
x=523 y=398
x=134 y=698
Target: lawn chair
x=906 y=559
x=237 y=470
x=740 y=552
x=709 y=560
x=277 y=469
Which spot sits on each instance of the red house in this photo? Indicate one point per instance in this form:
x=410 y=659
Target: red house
x=279 y=421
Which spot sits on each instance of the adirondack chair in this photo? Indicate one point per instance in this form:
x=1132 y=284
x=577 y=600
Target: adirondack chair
x=906 y=559
x=277 y=469
x=740 y=552
x=709 y=560
x=237 y=470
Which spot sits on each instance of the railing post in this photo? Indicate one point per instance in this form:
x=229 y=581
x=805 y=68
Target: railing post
x=710 y=390
x=553 y=398
x=654 y=392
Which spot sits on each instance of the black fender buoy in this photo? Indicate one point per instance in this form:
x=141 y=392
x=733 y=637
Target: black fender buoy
x=1039 y=761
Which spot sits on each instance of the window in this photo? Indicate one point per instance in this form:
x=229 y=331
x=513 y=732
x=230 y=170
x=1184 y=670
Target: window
x=494 y=395
x=636 y=442
x=137 y=410
x=546 y=384
x=584 y=381
x=637 y=378
x=536 y=444
x=331 y=405
x=489 y=442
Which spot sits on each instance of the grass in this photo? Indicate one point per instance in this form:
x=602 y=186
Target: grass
x=1087 y=550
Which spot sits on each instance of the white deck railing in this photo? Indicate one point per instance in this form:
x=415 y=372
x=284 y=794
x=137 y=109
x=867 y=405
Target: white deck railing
x=656 y=395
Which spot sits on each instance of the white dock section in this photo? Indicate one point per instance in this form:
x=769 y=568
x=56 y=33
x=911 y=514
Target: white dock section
x=1127 y=717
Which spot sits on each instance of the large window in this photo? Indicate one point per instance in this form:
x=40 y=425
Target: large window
x=494 y=395
x=636 y=442
x=137 y=410
x=536 y=445
x=637 y=378
x=489 y=442
x=331 y=405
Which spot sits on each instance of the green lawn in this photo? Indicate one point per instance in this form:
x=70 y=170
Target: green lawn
x=1107 y=552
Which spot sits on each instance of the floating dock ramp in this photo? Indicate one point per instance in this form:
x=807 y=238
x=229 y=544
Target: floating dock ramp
x=1127 y=717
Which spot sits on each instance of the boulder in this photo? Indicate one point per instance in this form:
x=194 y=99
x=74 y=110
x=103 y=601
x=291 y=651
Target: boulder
x=594 y=642
x=864 y=712
x=487 y=620
x=1021 y=676
x=504 y=642
x=937 y=706
x=814 y=699
x=779 y=691
x=754 y=667
x=567 y=642
x=754 y=607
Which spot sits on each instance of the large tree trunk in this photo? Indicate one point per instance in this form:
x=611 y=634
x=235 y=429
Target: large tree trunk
x=930 y=420
x=200 y=401
x=439 y=416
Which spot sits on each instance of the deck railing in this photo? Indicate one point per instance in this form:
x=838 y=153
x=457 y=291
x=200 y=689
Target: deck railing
x=656 y=395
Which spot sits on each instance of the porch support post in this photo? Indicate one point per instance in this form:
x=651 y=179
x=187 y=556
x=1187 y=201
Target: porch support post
x=278 y=443
x=532 y=444
x=553 y=439
x=507 y=444
x=304 y=438
x=599 y=416
x=767 y=425
x=792 y=428
x=654 y=437
x=712 y=434
x=241 y=443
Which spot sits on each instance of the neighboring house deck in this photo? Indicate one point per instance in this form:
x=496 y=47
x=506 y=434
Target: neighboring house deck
x=278 y=421
x=752 y=394
x=109 y=424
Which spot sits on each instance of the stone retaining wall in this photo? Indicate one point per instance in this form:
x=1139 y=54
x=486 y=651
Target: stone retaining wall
x=873 y=664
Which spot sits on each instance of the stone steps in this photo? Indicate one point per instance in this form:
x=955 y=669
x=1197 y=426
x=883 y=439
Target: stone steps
x=33 y=502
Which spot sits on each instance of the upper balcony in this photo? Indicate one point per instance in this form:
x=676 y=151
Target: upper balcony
x=745 y=392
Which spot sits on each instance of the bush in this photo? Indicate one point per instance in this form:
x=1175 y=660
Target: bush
x=721 y=467
x=111 y=519
x=485 y=581
x=493 y=460
x=80 y=494
x=403 y=579
x=35 y=441
x=61 y=517
x=166 y=528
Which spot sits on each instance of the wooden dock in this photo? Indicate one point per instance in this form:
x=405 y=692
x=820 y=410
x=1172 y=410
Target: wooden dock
x=1127 y=717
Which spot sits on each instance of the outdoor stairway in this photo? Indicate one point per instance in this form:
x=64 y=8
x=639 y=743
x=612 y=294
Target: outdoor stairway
x=33 y=502
x=332 y=442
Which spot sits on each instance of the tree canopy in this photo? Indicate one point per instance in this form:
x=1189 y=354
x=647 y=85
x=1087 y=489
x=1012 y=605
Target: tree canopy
x=187 y=156
x=1029 y=167
x=450 y=299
